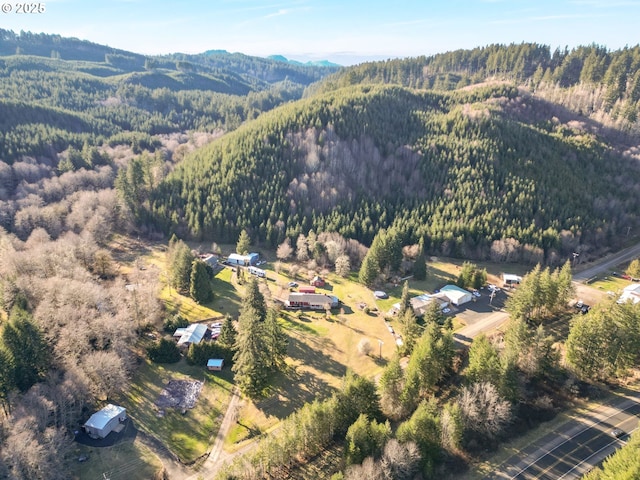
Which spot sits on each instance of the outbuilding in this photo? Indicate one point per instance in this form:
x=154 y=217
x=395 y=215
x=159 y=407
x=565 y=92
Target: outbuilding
x=456 y=295
x=104 y=421
x=194 y=333
x=243 y=260
x=510 y=280
x=215 y=364
x=210 y=259
x=631 y=293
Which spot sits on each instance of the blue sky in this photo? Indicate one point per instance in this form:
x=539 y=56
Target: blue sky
x=344 y=31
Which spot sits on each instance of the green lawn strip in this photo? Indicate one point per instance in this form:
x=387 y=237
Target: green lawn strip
x=129 y=460
x=609 y=283
x=187 y=435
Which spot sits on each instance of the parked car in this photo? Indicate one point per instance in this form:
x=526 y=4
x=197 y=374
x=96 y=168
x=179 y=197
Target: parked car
x=380 y=294
x=579 y=304
x=216 y=325
x=476 y=293
x=446 y=310
x=617 y=433
x=292 y=284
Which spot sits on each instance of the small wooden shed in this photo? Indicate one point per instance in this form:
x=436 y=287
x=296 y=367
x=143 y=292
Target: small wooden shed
x=215 y=364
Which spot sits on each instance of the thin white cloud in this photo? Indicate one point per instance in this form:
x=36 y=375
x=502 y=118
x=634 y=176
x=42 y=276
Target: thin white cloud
x=545 y=18
x=606 y=3
x=407 y=23
x=279 y=13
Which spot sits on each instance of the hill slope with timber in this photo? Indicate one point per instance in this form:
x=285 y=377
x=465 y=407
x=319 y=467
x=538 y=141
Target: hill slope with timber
x=490 y=171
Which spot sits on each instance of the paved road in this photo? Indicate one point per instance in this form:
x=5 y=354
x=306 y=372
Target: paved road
x=575 y=447
x=608 y=262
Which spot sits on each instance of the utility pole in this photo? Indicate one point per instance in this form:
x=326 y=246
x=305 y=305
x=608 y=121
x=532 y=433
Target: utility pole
x=575 y=255
x=380 y=343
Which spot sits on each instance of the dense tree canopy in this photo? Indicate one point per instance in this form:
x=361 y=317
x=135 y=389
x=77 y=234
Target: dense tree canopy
x=465 y=172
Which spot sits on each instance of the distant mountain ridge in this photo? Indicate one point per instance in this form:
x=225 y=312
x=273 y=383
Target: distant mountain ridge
x=311 y=63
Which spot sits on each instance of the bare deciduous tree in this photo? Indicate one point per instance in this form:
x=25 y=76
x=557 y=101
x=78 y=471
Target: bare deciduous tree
x=483 y=410
x=364 y=346
x=285 y=250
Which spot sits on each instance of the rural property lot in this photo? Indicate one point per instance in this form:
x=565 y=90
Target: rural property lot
x=475 y=311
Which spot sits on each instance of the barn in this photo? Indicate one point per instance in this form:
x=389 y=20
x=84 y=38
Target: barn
x=103 y=422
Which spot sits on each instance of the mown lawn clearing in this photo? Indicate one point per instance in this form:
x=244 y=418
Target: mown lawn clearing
x=129 y=460
x=186 y=434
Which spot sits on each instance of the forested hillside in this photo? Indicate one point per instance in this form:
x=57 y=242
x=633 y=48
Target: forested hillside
x=483 y=172
x=590 y=80
x=58 y=92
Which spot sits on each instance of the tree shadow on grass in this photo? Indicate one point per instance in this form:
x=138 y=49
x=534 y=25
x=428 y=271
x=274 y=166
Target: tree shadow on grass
x=291 y=391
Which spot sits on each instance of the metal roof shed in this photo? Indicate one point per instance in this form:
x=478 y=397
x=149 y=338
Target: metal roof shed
x=101 y=423
x=215 y=364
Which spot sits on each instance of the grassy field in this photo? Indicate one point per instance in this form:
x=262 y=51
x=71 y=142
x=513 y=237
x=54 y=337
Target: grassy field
x=610 y=283
x=187 y=435
x=129 y=460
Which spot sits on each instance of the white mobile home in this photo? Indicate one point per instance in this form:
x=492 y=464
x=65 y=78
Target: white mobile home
x=258 y=272
x=103 y=422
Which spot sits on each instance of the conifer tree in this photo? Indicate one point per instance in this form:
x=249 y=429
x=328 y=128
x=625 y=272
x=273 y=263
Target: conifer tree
x=200 y=286
x=391 y=386
x=227 y=338
x=369 y=270
x=250 y=363
x=275 y=341
x=28 y=348
x=405 y=301
x=244 y=243
x=254 y=298
x=420 y=267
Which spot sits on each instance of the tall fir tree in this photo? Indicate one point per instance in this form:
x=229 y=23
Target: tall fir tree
x=244 y=243
x=405 y=301
x=250 y=363
x=275 y=341
x=28 y=348
x=200 y=286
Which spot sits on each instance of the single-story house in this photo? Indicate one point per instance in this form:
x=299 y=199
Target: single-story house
x=104 y=421
x=420 y=303
x=243 y=260
x=630 y=293
x=456 y=295
x=509 y=279
x=317 y=281
x=194 y=333
x=210 y=259
x=314 y=301
x=215 y=364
